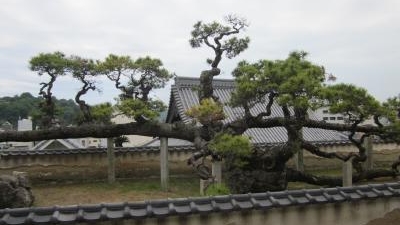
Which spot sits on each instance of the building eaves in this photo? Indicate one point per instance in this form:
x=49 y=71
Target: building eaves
x=198 y=205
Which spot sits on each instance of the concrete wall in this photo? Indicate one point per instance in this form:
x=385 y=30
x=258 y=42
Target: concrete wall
x=345 y=213
x=140 y=164
x=352 y=148
x=83 y=166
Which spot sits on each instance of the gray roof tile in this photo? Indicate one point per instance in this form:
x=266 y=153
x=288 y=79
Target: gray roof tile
x=184 y=96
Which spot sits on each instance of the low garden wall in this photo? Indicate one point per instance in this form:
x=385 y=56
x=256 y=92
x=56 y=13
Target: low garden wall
x=84 y=164
x=139 y=162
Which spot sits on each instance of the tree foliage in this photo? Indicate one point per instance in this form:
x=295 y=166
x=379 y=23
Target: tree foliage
x=293 y=81
x=140 y=76
x=233 y=146
x=136 y=108
x=134 y=78
x=102 y=113
x=296 y=84
x=211 y=34
x=207 y=111
x=352 y=101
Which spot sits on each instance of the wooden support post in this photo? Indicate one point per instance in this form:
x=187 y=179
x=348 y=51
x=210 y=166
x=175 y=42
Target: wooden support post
x=111 y=161
x=299 y=160
x=369 y=150
x=202 y=186
x=216 y=169
x=347 y=176
x=164 y=163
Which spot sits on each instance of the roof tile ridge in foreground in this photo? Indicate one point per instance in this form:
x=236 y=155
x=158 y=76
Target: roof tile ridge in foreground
x=195 y=205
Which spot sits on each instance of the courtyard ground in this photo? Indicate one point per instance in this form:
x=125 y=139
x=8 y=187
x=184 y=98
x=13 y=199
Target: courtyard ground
x=50 y=194
x=122 y=191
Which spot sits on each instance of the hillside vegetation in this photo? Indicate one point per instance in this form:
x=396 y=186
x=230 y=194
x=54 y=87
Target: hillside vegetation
x=25 y=105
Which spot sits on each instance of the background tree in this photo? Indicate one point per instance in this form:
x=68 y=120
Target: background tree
x=116 y=68
x=222 y=39
x=18 y=106
x=84 y=70
x=54 y=65
x=26 y=105
x=141 y=76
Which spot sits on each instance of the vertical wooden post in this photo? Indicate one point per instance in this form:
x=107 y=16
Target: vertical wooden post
x=369 y=150
x=299 y=160
x=216 y=169
x=202 y=186
x=300 y=156
x=111 y=160
x=347 y=177
x=164 y=163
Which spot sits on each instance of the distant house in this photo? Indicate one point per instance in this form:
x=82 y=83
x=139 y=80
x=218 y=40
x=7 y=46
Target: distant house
x=324 y=114
x=23 y=125
x=184 y=95
x=6 y=126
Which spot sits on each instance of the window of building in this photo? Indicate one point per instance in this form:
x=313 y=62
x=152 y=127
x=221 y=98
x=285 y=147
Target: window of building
x=340 y=118
x=83 y=143
x=332 y=118
x=325 y=118
x=325 y=111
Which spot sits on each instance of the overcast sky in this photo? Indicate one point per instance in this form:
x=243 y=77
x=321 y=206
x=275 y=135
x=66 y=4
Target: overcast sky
x=356 y=40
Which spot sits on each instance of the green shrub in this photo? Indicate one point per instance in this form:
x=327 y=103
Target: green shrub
x=217 y=189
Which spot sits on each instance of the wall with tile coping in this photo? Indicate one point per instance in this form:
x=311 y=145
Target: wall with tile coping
x=93 y=165
x=129 y=163
x=345 y=213
x=355 y=205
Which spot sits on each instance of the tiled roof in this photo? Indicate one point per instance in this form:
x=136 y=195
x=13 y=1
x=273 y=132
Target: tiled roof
x=201 y=205
x=184 y=95
x=68 y=143
x=175 y=143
